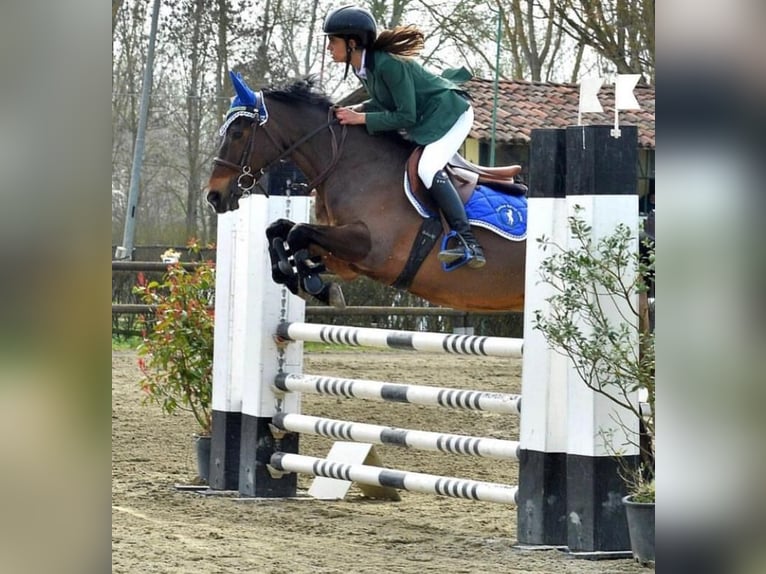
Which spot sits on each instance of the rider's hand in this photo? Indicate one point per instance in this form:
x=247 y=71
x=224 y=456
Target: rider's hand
x=349 y=116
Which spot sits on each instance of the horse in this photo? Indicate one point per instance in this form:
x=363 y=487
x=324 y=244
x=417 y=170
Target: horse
x=365 y=224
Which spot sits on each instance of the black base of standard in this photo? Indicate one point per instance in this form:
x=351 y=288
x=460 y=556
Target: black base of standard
x=542 y=510
x=258 y=444
x=573 y=501
x=596 y=519
x=224 y=450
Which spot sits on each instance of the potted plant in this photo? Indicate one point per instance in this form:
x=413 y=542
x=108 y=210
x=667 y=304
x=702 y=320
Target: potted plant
x=176 y=353
x=584 y=277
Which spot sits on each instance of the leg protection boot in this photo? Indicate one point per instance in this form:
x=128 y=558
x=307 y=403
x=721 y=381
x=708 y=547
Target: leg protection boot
x=448 y=200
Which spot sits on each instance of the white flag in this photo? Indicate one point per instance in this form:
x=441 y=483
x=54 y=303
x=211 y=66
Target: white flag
x=623 y=92
x=589 y=88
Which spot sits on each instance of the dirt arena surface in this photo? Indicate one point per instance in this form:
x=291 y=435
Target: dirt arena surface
x=159 y=529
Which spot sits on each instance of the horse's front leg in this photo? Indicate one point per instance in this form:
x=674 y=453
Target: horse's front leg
x=282 y=272
x=308 y=243
x=299 y=271
x=349 y=243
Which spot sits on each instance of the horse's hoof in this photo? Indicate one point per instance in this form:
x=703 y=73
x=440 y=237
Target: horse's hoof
x=313 y=284
x=336 y=299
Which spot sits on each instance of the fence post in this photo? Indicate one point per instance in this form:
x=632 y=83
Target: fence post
x=249 y=306
x=602 y=181
x=542 y=510
x=227 y=398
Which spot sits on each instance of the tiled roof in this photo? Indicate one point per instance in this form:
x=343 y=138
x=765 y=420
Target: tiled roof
x=523 y=106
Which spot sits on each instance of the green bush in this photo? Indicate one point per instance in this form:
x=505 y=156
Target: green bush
x=176 y=352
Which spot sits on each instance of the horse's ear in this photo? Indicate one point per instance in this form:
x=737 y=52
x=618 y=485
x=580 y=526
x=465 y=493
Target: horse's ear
x=245 y=96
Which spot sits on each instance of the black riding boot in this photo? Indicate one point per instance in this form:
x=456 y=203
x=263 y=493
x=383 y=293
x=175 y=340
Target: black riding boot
x=448 y=200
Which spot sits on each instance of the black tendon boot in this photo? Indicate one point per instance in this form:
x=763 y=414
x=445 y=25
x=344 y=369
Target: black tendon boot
x=448 y=200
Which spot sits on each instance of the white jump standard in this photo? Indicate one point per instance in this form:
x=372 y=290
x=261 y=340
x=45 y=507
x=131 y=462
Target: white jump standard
x=402 y=480
x=402 y=340
x=423 y=440
x=399 y=393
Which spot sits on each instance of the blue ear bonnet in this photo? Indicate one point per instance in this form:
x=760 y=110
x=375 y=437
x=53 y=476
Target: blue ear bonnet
x=246 y=103
x=245 y=97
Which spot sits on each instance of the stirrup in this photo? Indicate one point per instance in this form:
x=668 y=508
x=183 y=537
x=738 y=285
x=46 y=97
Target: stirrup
x=463 y=254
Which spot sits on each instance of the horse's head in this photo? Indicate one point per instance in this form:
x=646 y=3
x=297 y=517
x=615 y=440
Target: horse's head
x=303 y=113
x=232 y=176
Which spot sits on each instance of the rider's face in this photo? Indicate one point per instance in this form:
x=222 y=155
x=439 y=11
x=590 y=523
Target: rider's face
x=337 y=48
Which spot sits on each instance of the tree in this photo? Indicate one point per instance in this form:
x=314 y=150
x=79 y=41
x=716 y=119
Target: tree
x=533 y=45
x=129 y=53
x=622 y=31
x=116 y=4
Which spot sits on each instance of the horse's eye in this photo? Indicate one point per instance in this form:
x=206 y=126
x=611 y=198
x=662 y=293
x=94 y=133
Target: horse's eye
x=236 y=135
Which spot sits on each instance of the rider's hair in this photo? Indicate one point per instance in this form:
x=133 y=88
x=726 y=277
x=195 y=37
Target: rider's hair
x=404 y=41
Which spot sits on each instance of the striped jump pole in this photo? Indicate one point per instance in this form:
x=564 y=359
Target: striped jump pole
x=402 y=340
x=363 y=432
x=399 y=479
x=399 y=393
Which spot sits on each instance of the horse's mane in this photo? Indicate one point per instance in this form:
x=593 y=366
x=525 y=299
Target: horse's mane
x=303 y=90
x=306 y=90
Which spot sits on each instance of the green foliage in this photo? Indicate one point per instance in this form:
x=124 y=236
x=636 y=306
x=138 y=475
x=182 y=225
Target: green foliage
x=642 y=491
x=129 y=342
x=595 y=319
x=176 y=354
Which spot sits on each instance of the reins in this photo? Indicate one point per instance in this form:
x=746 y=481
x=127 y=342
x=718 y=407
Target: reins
x=246 y=172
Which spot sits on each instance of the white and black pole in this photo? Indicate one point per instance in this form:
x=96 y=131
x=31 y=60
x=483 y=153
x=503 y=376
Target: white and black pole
x=247 y=358
x=227 y=399
x=268 y=305
x=542 y=505
x=601 y=188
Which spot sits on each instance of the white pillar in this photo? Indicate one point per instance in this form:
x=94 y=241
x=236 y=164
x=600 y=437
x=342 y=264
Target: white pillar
x=601 y=178
x=249 y=305
x=227 y=397
x=264 y=304
x=542 y=461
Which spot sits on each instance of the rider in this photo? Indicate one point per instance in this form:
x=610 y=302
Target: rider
x=431 y=110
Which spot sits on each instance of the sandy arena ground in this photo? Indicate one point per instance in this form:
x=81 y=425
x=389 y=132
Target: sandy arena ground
x=157 y=528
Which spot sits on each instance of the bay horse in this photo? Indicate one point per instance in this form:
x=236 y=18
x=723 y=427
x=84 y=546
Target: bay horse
x=366 y=225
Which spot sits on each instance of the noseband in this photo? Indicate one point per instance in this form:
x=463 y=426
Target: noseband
x=246 y=180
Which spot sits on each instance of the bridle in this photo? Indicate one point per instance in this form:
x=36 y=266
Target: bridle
x=247 y=180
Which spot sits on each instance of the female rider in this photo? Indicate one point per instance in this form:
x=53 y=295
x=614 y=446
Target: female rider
x=430 y=110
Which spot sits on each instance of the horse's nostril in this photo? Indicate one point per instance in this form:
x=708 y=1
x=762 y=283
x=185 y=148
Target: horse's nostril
x=214 y=199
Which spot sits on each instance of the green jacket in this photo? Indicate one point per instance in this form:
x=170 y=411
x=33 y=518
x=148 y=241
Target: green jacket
x=405 y=96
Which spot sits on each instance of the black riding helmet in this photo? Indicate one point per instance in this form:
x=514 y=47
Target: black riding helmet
x=353 y=21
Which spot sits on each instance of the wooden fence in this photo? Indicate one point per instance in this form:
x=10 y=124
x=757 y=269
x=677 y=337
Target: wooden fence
x=125 y=311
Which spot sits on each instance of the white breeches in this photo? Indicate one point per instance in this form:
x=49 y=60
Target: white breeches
x=437 y=154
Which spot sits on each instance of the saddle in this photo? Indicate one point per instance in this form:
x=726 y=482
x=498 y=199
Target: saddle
x=465 y=176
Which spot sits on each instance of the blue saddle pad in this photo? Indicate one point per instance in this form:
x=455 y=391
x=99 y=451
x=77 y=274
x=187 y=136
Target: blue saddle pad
x=504 y=214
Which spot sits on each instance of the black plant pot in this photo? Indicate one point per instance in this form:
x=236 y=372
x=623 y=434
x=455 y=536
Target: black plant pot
x=203 y=456
x=641 y=529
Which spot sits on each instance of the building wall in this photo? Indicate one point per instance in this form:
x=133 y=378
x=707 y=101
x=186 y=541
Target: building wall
x=470 y=150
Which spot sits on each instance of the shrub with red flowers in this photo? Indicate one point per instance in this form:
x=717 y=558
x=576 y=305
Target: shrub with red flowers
x=176 y=355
